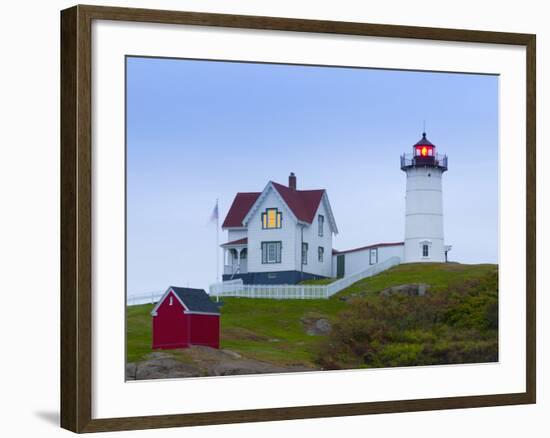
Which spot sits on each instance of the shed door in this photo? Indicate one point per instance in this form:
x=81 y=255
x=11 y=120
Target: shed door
x=340 y=265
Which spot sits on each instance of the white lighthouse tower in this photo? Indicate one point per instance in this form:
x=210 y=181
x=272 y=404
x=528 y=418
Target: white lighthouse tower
x=424 y=241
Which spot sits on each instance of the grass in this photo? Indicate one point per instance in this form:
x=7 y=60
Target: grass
x=271 y=330
x=320 y=281
x=138 y=332
x=438 y=275
x=261 y=329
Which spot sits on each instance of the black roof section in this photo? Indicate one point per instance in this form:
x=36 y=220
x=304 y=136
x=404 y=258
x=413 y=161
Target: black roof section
x=424 y=141
x=196 y=300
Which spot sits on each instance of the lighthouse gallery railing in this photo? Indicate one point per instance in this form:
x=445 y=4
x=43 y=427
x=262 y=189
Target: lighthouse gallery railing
x=438 y=160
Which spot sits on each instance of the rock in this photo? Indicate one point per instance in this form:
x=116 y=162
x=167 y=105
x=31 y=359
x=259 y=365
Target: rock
x=232 y=354
x=250 y=366
x=422 y=289
x=352 y=296
x=198 y=361
x=322 y=327
x=164 y=366
x=410 y=290
x=316 y=326
x=131 y=369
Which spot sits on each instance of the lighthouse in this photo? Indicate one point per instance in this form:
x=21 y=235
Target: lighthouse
x=424 y=239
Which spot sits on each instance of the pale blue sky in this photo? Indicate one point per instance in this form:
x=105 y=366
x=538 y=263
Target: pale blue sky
x=201 y=130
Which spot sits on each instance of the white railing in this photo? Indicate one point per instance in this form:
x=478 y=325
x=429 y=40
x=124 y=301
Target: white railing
x=235 y=269
x=341 y=284
x=225 y=287
x=148 y=298
x=275 y=291
x=236 y=288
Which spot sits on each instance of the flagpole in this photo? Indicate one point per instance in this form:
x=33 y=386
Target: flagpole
x=217 y=246
x=217 y=241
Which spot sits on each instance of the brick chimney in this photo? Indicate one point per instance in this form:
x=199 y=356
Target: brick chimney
x=292 y=181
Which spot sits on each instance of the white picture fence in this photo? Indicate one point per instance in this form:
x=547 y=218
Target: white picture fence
x=236 y=288
x=148 y=298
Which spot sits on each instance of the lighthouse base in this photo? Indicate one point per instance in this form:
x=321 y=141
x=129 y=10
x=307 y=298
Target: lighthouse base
x=424 y=250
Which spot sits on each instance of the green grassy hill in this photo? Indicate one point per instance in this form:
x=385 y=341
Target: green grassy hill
x=273 y=330
x=438 y=275
x=262 y=329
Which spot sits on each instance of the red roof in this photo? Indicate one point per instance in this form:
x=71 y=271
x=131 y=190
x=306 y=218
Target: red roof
x=377 y=245
x=236 y=242
x=303 y=203
x=242 y=204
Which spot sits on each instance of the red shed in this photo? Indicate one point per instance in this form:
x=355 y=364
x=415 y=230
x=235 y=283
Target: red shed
x=185 y=317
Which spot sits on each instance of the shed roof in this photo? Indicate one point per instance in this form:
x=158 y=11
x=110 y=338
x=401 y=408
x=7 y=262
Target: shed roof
x=196 y=300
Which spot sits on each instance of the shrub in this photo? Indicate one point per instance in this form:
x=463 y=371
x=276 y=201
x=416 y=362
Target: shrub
x=456 y=325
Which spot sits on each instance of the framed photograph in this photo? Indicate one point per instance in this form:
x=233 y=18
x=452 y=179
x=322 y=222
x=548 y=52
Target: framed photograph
x=271 y=218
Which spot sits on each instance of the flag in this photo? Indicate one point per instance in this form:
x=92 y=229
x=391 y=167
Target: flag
x=215 y=214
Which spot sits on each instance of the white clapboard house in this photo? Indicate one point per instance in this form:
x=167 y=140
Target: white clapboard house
x=280 y=235
x=283 y=235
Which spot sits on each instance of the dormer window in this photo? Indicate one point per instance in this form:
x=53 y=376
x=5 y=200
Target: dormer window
x=272 y=218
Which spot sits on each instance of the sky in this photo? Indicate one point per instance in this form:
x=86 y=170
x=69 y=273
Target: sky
x=198 y=131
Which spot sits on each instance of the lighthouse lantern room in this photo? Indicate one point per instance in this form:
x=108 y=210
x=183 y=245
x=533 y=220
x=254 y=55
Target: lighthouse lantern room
x=424 y=239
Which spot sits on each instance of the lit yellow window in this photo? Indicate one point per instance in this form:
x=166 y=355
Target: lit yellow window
x=272 y=218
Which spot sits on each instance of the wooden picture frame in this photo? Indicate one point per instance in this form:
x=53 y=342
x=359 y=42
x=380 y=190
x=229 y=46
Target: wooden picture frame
x=76 y=217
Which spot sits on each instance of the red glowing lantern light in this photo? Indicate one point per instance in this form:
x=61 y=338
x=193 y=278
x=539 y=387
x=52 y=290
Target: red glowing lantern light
x=424 y=151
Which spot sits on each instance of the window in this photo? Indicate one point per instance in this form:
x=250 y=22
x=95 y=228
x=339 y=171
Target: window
x=271 y=252
x=321 y=251
x=272 y=218
x=424 y=151
x=425 y=250
x=373 y=256
x=321 y=224
x=171 y=300
x=304 y=253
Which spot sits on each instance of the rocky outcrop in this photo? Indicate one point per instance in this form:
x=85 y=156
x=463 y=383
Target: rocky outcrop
x=316 y=325
x=409 y=290
x=200 y=361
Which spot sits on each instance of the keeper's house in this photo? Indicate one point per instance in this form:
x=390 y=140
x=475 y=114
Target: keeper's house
x=351 y=261
x=280 y=235
x=283 y=235
x=185 y=317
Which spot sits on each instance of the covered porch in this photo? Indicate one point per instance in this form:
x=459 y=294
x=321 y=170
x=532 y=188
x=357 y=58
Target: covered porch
x=235 y=257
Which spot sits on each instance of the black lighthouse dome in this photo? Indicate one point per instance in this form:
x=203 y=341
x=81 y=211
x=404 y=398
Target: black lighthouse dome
x=424 y=142
x=424 y=155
